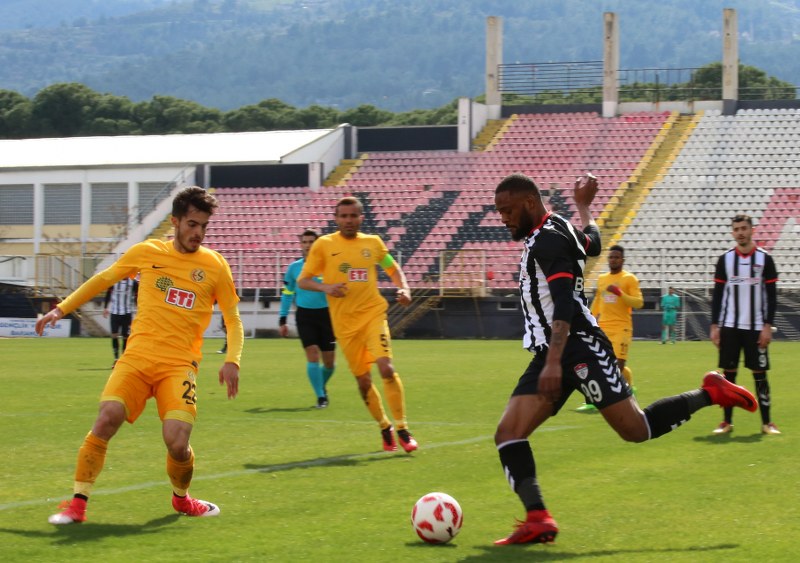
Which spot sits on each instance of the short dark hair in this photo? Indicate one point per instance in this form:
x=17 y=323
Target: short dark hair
x=618 y=248
x=309 y=232
x=350 y=200
x=196 y=196
x=742 y=217
x=518 y=183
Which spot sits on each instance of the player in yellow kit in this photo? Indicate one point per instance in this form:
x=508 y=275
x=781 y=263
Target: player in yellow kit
x=179 y=284
x=346 y=260
x=617 y=294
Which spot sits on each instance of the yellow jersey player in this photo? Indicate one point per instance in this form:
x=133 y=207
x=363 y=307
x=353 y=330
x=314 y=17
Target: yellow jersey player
x=617 y=294
x=179 y=283
x=347 y=261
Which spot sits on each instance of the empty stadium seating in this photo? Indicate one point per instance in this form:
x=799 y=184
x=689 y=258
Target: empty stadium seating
x=426 y=202
x=745 y=163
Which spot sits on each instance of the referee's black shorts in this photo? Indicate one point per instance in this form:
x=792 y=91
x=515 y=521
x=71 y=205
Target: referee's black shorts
x=314 y=328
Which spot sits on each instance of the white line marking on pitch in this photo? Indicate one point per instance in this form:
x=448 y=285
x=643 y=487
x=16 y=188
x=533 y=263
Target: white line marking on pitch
x=267 y=469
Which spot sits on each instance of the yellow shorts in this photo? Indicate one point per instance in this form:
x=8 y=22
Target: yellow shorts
x=362 y=345
x=621 y=340
x=133 y=381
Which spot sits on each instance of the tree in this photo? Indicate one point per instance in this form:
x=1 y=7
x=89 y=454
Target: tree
x=366 y=116
x=15 y=114
x=63 y=110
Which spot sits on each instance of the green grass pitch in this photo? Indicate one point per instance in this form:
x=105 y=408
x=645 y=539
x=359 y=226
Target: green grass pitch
x=300 y=484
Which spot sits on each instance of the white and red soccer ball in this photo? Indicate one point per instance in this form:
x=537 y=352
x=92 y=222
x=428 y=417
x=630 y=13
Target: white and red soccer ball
x=437 y=518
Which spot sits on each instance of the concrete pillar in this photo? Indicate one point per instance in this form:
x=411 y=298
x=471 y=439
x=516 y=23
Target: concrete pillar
x=610 y=64
x=730 y=61
x=494 y=58
x=38 y=216
x=464 y=124
x=86 y=213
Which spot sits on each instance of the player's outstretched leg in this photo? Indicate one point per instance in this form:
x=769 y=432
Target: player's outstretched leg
x=726 y=394
x=538 y=527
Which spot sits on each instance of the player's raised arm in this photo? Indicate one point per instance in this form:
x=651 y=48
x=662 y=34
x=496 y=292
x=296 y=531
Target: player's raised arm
x=584 y=192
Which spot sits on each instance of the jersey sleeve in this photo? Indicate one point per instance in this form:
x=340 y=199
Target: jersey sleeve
x=770 y=283
x=315 y=261
x=720 y=279
x=632 y=295
x=552 y=254
x=126 y=266
x=591 y=240
x=288 y=291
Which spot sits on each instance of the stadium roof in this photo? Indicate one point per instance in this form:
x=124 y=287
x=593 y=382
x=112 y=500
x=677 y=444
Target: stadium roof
x=269 y=147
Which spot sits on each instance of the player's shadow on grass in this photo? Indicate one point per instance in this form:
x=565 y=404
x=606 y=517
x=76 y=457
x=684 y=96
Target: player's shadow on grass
x=89 y=531
x=726 y=438
x=556 y=553
x=347 y=460
x=262 y=410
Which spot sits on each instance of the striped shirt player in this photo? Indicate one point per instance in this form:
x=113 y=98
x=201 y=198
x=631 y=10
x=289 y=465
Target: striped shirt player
x=742 y=314
x=570 y=350
x=120 y=304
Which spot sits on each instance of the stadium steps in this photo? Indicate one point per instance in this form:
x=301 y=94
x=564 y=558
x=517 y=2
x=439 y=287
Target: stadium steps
x=342 y=173
x=495 y=138
x=400 y=318
x=89 y=326
x=163 y=230
x=487 y=134
x=623 y=206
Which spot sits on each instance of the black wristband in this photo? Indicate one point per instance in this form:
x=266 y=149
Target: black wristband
x=281 y=320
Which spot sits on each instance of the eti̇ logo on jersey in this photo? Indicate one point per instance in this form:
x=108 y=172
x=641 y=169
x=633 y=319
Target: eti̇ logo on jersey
x=582 y=371
x=174 y=295
x=354 y=274
x=357 y=275
x=180 y=297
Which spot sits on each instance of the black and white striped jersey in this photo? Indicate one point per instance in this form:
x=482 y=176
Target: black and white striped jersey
x=744 y=290
x=121 y=297
x=551 y=279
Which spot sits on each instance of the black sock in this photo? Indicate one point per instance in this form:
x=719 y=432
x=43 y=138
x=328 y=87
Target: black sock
x=124 y=343
x=115 y=346
x=520 y=469
x=730 y=376
x=665 y=415
x=762 y=392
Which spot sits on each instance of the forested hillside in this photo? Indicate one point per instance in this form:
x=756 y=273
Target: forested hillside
x=394 y=55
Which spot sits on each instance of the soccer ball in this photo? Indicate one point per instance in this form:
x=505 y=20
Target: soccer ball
x=437 y=518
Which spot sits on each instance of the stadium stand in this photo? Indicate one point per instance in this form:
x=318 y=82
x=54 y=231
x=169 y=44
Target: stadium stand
x=425 y=202
x=743 y=163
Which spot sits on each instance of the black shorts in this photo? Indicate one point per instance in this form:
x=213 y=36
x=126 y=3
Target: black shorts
x=121 y=324
x=588 y=365
x=732 y=341
x=315 y=329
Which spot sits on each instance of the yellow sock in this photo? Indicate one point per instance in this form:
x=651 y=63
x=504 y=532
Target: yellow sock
x=91 y=458
x=396 y=398
x=180 y=473
x=375 y=407
x=628 y=375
